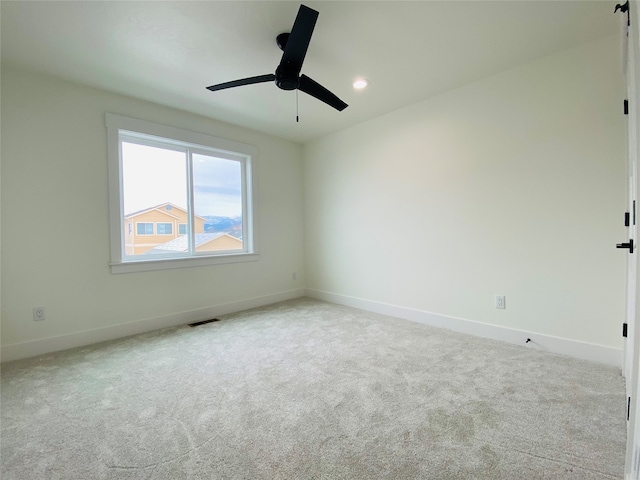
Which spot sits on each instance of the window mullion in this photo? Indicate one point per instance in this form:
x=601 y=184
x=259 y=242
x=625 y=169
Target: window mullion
x=245 y=212
x=191 y=220
x=121 y=219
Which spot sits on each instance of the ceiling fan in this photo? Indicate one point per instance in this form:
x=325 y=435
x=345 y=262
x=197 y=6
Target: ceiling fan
x=287 y=76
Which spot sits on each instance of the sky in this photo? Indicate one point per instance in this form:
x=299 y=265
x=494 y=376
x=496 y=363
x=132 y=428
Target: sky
x=153 y=176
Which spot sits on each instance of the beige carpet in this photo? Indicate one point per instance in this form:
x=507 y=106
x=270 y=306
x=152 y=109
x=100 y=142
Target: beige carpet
x=310 y=390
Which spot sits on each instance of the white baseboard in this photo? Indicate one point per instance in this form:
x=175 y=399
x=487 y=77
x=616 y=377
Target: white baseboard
x=87 y=337
x=564 y=346
x=573 y=348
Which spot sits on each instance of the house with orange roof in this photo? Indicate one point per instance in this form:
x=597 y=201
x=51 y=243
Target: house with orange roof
x=153 y=226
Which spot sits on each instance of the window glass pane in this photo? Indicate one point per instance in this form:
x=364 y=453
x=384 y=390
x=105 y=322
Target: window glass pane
x=144 y=228
x=154 y=193
x=182 y=229
x=165 y=228
x=217 y=202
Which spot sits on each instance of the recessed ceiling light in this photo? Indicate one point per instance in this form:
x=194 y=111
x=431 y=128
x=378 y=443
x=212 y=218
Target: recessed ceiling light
x=360 y=83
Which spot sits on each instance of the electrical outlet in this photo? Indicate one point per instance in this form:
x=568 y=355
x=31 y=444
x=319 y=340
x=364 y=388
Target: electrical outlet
x=501 y=301
x=38 y=313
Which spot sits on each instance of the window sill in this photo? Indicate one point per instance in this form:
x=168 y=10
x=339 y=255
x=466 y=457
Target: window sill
x=170 y=263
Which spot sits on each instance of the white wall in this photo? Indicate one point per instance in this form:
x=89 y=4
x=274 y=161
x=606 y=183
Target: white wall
x=55 y=223
x=513 y=185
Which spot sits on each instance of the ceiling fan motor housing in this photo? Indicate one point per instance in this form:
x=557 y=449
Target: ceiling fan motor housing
x=287 y=76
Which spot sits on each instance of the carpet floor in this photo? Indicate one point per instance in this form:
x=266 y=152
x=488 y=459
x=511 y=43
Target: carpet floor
x=310 y=390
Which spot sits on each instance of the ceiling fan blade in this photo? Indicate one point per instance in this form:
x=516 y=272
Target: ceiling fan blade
x=245 y=81
x=313 y=88
x=299 y=38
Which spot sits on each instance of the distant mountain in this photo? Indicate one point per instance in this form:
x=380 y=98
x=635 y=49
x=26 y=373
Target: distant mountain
x=214 y=223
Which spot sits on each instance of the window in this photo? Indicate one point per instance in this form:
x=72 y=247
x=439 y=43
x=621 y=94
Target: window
x=165 y=228
x=144 y=228
x=163 y=176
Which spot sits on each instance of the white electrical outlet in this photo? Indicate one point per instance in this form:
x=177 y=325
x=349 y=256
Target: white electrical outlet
x=501 y=301
x=38 y=313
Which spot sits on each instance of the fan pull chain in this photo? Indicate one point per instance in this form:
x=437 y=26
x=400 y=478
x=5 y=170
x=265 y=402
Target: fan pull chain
x=297 y=109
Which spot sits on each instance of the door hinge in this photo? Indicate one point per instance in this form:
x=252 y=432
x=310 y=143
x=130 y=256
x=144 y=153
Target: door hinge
x=626 y=107
x=628 y=407
x=624 y=330
x=624 y=8
x=626 y=219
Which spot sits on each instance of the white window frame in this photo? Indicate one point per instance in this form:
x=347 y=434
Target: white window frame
x=198 y=143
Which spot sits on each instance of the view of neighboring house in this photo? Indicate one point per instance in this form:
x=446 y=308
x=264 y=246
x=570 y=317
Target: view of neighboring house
x=153 y=226
x=163 y=229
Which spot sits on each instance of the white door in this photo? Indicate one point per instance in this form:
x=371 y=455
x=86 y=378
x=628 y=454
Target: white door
x=632 y=355
x=632 y=155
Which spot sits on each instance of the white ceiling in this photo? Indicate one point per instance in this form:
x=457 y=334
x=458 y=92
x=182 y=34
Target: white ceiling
x=168 y=52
